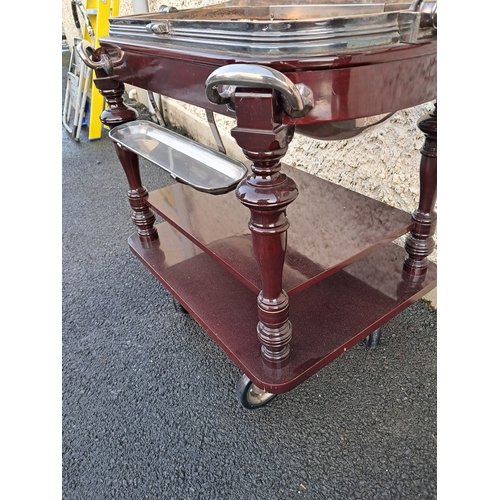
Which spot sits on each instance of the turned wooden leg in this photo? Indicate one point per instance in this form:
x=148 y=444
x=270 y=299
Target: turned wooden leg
x=420 y=242
x=267 y=192
x=115 y=114
x=142 y=215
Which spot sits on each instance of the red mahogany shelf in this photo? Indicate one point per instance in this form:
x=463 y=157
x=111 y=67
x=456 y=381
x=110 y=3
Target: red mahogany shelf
x=320 y=244
x=328 y=318
x=342 y=273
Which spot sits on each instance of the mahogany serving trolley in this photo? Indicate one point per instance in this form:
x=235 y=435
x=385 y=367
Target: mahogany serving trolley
x=283 y=282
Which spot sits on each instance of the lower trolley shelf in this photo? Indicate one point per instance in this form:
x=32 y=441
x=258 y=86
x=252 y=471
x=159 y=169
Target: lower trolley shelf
x=328 y=318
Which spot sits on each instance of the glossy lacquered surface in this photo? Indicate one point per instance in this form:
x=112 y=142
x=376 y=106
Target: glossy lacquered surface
x=327 y=318
x=345 y=86
x=289 y=271
x=321 y=242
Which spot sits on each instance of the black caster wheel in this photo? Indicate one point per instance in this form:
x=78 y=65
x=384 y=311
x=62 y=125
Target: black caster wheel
x=250 y=396
x=373 y=340
x=180 y=308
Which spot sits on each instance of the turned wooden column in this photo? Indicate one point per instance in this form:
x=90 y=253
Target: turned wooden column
x=142 y=216
x=420 y=242
x=116 y=113
x=267 y=192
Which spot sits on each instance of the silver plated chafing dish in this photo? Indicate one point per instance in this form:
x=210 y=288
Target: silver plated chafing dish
x=285 y=27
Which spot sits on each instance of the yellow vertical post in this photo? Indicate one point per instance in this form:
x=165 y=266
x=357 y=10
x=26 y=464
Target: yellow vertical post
x=98 y=12
x=115 y=7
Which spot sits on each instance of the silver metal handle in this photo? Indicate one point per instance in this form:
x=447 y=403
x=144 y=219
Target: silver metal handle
x=297 y=99
x=215 y=131
x=85 y=51
x=428 y=11
x=167 y=9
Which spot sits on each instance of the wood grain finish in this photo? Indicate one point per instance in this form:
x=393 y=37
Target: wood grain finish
x=420 y=241
x=266 y=193
x=345 y=86
x=338 y=294
x=142 y=216
x=324 y=237
x=116 y=113
x=328 y=318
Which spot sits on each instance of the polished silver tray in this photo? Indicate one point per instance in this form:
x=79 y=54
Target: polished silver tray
x=185 y=160
x=284 y=27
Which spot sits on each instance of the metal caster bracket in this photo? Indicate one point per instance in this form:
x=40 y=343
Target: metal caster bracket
x=250 y=396
x=373 y=340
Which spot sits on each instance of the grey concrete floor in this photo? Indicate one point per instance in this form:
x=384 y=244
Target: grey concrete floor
x=149 y=407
